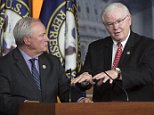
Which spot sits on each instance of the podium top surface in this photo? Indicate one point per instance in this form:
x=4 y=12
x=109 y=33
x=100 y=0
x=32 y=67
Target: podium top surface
x=103 y=108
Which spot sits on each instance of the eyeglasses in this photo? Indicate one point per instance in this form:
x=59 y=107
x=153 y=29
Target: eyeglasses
x=119 y=21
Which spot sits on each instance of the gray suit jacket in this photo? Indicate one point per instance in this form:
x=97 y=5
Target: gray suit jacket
x=17 y=84
x=136 y=64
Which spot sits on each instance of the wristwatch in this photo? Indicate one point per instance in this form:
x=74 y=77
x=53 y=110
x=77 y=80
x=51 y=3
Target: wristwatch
x=119 y=72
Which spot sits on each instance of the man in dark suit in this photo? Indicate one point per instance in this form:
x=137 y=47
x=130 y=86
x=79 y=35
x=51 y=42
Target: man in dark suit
x=122 y=72
x=17 y=83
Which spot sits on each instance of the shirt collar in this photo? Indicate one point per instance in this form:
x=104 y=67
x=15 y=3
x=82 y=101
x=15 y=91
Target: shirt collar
x=26 y=56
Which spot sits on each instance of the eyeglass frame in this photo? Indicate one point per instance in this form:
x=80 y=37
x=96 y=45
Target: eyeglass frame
x=119 y=21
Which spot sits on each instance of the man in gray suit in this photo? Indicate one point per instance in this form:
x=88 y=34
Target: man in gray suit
x=120 y=66
x=17 y=83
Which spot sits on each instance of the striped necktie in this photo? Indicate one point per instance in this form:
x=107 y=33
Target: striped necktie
x=35 y=73
x=117 y=56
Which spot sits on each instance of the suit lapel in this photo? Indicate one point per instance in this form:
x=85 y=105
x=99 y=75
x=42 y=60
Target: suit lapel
x=21 y=64
x=43 y=68
x=108 y=54
x=127 y=50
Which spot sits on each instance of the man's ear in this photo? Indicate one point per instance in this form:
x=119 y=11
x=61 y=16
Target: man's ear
x=27 y=40
x=130 y=20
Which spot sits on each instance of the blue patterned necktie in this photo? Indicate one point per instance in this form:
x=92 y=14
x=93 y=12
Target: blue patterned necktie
x=35 y=73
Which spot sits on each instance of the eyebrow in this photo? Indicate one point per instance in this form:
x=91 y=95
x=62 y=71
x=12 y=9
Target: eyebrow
x=120 y=19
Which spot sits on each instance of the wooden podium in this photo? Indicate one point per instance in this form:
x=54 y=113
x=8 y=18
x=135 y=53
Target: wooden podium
x=104 y=108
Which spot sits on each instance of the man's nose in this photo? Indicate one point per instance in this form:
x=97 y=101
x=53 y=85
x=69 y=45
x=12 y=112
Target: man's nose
x=46 y=38
x=115 y=25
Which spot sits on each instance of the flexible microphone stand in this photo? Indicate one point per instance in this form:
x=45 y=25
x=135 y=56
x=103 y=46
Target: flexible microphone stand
x=123 y=89
x=70 y=92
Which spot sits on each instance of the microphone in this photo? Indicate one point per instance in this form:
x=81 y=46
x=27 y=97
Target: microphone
x=75 y=92
x=123 y=89
x=69 y=74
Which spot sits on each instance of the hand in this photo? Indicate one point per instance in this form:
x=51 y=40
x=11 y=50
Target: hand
x=103 y=77
x=86 y=100
x=84 y=77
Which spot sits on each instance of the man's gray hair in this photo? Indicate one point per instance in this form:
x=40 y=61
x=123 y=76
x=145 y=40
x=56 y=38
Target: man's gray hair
x=23 y=28
x=114 y=6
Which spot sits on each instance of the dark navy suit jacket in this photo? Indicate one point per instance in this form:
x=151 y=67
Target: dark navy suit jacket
x=136 y=64
x=17 y=84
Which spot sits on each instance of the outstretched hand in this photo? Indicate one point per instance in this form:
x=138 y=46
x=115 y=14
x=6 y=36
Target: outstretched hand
x=84 y=77
x=103 y=77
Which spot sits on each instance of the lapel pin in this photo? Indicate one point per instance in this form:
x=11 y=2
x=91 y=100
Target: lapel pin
x=44 y=66
x=128 y=53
